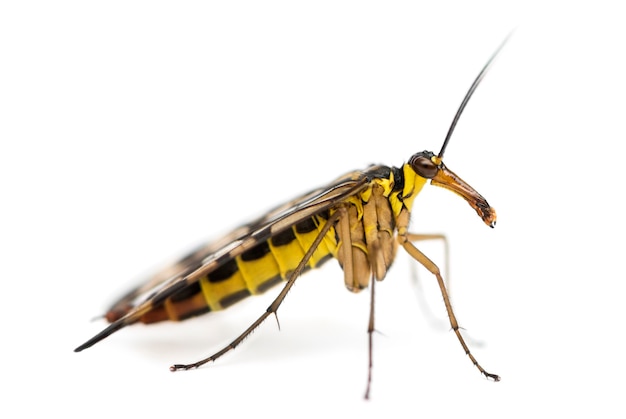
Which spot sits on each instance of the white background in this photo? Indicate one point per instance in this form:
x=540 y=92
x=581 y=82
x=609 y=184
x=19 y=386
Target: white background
x=131 y=131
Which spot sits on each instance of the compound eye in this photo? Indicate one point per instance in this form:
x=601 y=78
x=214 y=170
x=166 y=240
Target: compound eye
x=424 y=167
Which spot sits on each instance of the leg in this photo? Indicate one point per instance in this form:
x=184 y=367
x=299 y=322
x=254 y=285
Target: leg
x=435 y=321
x=432 y=268
x=413 y=237
x=273 y=308
x=370 y=332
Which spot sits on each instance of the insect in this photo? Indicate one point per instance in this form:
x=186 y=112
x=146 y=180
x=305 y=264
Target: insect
x=360 y=219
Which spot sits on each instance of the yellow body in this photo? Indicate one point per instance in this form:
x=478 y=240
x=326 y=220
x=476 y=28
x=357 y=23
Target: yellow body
x=372 y=212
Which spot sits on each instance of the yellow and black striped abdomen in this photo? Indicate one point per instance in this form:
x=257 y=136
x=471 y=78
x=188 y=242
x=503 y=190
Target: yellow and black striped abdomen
x=253 y=272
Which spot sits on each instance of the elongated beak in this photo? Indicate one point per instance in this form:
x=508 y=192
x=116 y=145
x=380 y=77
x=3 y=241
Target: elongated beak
x=448 y=179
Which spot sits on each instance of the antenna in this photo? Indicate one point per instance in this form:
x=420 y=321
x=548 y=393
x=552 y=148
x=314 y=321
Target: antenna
x=469 y=94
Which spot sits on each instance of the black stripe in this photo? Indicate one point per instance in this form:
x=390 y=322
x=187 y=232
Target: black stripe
x=323 y=260
x=269 y=283
x=398 y=179
x=324 y=215
x=195 y=313
x=257 y=252
x=160 y=297
x=186 y=292
x=225 y=271
x=306 y=226
x=231 y=299
x=283 y=238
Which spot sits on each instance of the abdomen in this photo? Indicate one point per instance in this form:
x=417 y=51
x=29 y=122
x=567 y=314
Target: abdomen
x=253 y=272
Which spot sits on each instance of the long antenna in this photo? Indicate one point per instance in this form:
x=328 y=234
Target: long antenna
x=469 y=94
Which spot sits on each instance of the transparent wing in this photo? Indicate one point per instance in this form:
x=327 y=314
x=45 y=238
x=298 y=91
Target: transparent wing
x=189 y=269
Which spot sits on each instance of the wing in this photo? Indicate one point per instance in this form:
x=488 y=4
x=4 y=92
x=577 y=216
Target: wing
x=187 y=271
